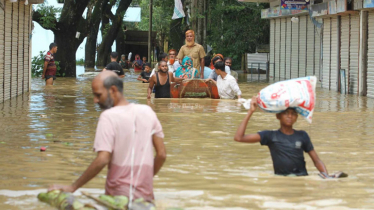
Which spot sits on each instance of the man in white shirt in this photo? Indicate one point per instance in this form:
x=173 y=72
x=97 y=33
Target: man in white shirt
x=173 y=64
x=226 y=84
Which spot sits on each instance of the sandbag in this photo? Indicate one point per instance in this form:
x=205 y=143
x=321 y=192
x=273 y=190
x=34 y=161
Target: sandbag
x=295 y=93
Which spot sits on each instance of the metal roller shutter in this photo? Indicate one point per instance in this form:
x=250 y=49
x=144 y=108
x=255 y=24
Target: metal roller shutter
x=344 y=46
x=282 y=66
x=14 y=69
x=317 y=67
x=26 y=52
x=2 y=48
x=272 y=31
x=288 y=48
x=277 y=47
x=309 y=47
x=8 y=49
x=370 y=58
x=354 y=53
x=295 y=51
x=334 y=54
x=326 y=53
x=302 y=45
x=21 y=58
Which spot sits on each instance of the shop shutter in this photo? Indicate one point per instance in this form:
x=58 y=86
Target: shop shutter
x=326 y=53
x=21 y=23
x=288 y=48
x=334 y=54
x=14 y=56
x=354 y=53
x=309 y=47
x=344 y=46
x=2 y=48
x=282 y=66
x=8 y=49
x=370 y=59
x=277 y=47
x=272 y=44
x=26 y=49
x=317 y=67
x=295 y=51
x=302 y=45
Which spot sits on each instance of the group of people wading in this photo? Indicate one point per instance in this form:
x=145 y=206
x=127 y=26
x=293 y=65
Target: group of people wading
x=127 y=133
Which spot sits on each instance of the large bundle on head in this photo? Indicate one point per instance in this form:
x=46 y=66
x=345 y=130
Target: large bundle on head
x=295 y=93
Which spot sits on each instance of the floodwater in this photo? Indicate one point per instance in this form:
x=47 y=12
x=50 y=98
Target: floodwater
x=205 y=168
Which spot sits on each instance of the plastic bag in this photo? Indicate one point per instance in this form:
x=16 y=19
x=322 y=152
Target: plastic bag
x=295 y=93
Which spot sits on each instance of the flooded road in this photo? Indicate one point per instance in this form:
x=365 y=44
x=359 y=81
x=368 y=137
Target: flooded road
x=205 y=168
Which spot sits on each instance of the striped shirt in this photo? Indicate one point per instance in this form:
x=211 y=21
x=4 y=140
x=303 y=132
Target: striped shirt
x=51 y=68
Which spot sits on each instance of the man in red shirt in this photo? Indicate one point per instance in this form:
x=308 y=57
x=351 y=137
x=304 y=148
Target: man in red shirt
x=49 y=70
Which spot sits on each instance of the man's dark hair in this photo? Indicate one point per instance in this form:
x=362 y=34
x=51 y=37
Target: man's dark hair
x=114 y=55
x=52 y=45
x=162 y=56
x=145 y=57
x=147 y=64
x=207 y=61
x=113 y=80
x=216 y=58
x=220 y=65
x=227 y=58
x=161 y=61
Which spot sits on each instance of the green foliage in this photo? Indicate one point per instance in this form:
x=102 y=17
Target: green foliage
x=49 y=15
x=37 y=65
x=236 y=28
x=80 y=62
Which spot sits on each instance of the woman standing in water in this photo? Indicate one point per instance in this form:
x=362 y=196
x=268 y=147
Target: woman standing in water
x=186 y=70
x=138 y=63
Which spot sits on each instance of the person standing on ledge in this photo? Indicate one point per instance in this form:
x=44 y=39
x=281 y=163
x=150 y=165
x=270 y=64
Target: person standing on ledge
x=50 y=69
x=114 y=66
x=195 y=51
x=126 y=135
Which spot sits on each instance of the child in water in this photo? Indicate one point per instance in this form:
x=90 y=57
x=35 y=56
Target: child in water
x=146 y=74
x=287 y=146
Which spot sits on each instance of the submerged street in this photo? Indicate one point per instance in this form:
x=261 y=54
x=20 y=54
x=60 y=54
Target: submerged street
x=205 y=167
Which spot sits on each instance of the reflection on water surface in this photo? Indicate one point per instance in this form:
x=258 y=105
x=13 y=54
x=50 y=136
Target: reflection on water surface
x=205 y=168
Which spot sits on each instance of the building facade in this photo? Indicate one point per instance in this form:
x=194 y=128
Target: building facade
x=15 y=47
x=333 y=40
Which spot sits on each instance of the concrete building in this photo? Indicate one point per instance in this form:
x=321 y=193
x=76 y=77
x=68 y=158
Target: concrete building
x=333 y=40
x=15 y=47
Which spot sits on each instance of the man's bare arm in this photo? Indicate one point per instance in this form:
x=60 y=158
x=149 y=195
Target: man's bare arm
x=160 y=157
x=150 y=87
x=102 y=159
x=317 y=162
x=240 y=133
x=44 y=69
x=202 y=64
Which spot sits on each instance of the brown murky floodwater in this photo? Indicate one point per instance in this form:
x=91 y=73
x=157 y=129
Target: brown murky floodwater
x=205 y=168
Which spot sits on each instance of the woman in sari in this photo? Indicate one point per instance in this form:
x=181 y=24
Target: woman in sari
x=186 y=70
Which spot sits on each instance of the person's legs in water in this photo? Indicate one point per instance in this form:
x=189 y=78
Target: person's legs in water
x=49 y=80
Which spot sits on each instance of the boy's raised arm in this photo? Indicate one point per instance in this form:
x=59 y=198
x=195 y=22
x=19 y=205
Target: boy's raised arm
x=240 y=133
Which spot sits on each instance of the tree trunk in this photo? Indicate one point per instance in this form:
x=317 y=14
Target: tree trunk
x=94 y=19
x=108 y=39
x=66 y=52
x=120 y=43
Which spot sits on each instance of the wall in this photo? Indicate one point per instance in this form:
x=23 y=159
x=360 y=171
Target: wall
x=15 y=30
x=294 y=48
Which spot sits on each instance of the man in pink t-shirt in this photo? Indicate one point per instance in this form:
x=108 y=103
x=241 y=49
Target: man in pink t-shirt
x=125 y=137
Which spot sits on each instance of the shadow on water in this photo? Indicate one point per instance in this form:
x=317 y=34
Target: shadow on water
x=205 y=168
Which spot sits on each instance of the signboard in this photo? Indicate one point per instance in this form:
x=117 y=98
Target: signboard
x=319 y=9
x=270 y=12
x=341 y=6
x=294 y=4
x=279 y=12
x=332 y=7
x=368 y=3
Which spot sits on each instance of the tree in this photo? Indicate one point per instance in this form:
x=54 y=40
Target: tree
x=64 y=29
x=94 y=12
x=110 y=31
x=236 y=28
